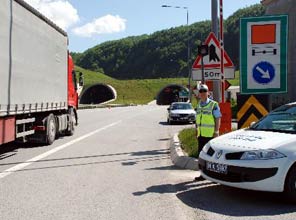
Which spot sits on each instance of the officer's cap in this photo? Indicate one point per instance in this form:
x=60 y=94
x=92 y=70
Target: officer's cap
x=203 y=88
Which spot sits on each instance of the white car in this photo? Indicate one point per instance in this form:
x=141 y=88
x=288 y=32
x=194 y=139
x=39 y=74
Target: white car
x=262 y=157
x=181 y=112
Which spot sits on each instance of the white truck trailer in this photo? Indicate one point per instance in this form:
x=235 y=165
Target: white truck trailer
x=38 y=91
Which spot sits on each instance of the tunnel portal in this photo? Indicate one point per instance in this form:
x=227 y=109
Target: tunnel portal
x=98 y=94
x=169 y=94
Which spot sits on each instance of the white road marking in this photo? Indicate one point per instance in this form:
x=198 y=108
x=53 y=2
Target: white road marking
x=52 y=151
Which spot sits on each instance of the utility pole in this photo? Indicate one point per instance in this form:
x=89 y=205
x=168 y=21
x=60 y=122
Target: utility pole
x=188 y=47
x=216 y=83
x=188 y=59
x=222 y=51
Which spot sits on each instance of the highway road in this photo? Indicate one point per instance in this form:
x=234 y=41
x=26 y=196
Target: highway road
x=117 y=166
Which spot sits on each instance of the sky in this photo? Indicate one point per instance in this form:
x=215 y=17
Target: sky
x=91 y=22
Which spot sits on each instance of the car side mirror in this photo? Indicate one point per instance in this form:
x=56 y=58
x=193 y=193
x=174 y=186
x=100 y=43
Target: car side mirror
x=252 y=123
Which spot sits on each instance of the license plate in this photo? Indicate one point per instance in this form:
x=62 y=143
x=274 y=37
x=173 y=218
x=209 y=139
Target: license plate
x=216 y=167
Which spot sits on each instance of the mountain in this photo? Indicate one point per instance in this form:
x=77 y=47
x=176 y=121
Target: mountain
x=164 y=53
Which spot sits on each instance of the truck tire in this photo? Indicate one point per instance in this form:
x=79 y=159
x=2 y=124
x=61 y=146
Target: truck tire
x=51 y=129
x=71 y=124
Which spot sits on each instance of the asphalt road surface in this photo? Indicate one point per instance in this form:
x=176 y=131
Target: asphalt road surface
x=117 y=166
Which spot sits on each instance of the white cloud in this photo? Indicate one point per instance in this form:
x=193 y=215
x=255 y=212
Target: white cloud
x=103 y=25
x=60 y=12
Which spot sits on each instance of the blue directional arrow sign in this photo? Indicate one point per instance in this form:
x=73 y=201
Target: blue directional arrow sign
x=263 y=72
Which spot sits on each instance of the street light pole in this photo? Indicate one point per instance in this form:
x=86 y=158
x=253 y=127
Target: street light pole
x=188 y=46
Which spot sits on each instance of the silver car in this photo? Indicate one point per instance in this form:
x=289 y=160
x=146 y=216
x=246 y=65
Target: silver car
x=181 y=112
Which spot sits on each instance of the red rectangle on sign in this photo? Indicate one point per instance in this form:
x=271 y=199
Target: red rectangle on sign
x=263 y=34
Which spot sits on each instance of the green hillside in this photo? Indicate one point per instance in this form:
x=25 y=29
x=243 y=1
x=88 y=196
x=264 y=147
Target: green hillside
x=163 y=53
x=135 y=91
x=131 y=91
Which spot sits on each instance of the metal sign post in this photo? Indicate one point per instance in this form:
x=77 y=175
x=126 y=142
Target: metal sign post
x=203 y=50
x=214 y=10
x=222 y=52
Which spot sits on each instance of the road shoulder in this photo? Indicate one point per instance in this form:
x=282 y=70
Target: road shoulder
x=179 y=158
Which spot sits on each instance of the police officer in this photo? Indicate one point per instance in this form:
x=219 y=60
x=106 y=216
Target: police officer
x=208 y=117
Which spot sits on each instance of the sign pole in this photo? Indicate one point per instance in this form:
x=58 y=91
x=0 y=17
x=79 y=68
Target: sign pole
x=216 y=87
x=202 y=71
x=188 y=59
x=222 y=52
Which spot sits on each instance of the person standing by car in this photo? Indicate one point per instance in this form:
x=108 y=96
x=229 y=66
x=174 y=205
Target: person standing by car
x=208 y=118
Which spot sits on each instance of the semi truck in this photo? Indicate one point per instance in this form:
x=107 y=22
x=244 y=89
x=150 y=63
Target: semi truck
x=38 y=87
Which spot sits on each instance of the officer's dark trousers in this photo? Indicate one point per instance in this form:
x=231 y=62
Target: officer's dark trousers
x=202 y=142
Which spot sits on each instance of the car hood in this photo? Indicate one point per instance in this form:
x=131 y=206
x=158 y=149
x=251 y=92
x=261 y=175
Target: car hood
x=245 y=139
x=183 y=111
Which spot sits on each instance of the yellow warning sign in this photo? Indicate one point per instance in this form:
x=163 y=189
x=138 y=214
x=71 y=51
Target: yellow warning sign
x=250 y=109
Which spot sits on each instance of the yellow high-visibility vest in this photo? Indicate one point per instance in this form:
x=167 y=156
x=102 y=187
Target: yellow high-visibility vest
x=205 y=119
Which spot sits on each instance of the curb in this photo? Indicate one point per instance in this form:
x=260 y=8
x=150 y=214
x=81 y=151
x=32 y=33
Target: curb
x=178 y=157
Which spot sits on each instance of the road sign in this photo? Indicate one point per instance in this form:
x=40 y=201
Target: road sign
x=213 y=74
x=251 y=108
x=263 y=63
x=210 y=85
x=183 y=94
x=212 y=60
x=263 y=72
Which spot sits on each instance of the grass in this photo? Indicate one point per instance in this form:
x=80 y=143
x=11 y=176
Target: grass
x=131 y=91
x=235 y=81
x=188 y=141
x=138 y=91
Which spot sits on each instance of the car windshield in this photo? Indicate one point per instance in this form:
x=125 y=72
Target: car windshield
x=181 y=106
x=282 y=119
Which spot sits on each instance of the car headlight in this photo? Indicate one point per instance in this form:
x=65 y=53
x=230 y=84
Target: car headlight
x=206 y=147
x=261 y=155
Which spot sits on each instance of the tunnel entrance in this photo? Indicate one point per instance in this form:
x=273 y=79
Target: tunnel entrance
x=170 y=94
x=98 y=94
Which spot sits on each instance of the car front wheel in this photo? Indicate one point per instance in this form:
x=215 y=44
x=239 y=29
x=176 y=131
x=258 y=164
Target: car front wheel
x=290 y=185
x=169 y=121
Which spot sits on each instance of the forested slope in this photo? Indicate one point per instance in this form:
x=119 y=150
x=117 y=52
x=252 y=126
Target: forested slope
x=162 y=54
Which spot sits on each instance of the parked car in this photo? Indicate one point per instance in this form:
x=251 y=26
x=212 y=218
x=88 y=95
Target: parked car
x=181 y=112
x=261 y=157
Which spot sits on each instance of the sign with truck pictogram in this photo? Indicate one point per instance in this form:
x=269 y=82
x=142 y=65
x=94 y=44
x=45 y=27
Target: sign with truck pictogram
x=212 y=62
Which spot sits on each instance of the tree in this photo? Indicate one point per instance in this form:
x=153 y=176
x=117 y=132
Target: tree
x=163 y=53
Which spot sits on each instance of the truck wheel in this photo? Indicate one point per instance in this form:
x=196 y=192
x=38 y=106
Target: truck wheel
x=290 y=185
x=71 y=123
x=51 y=129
